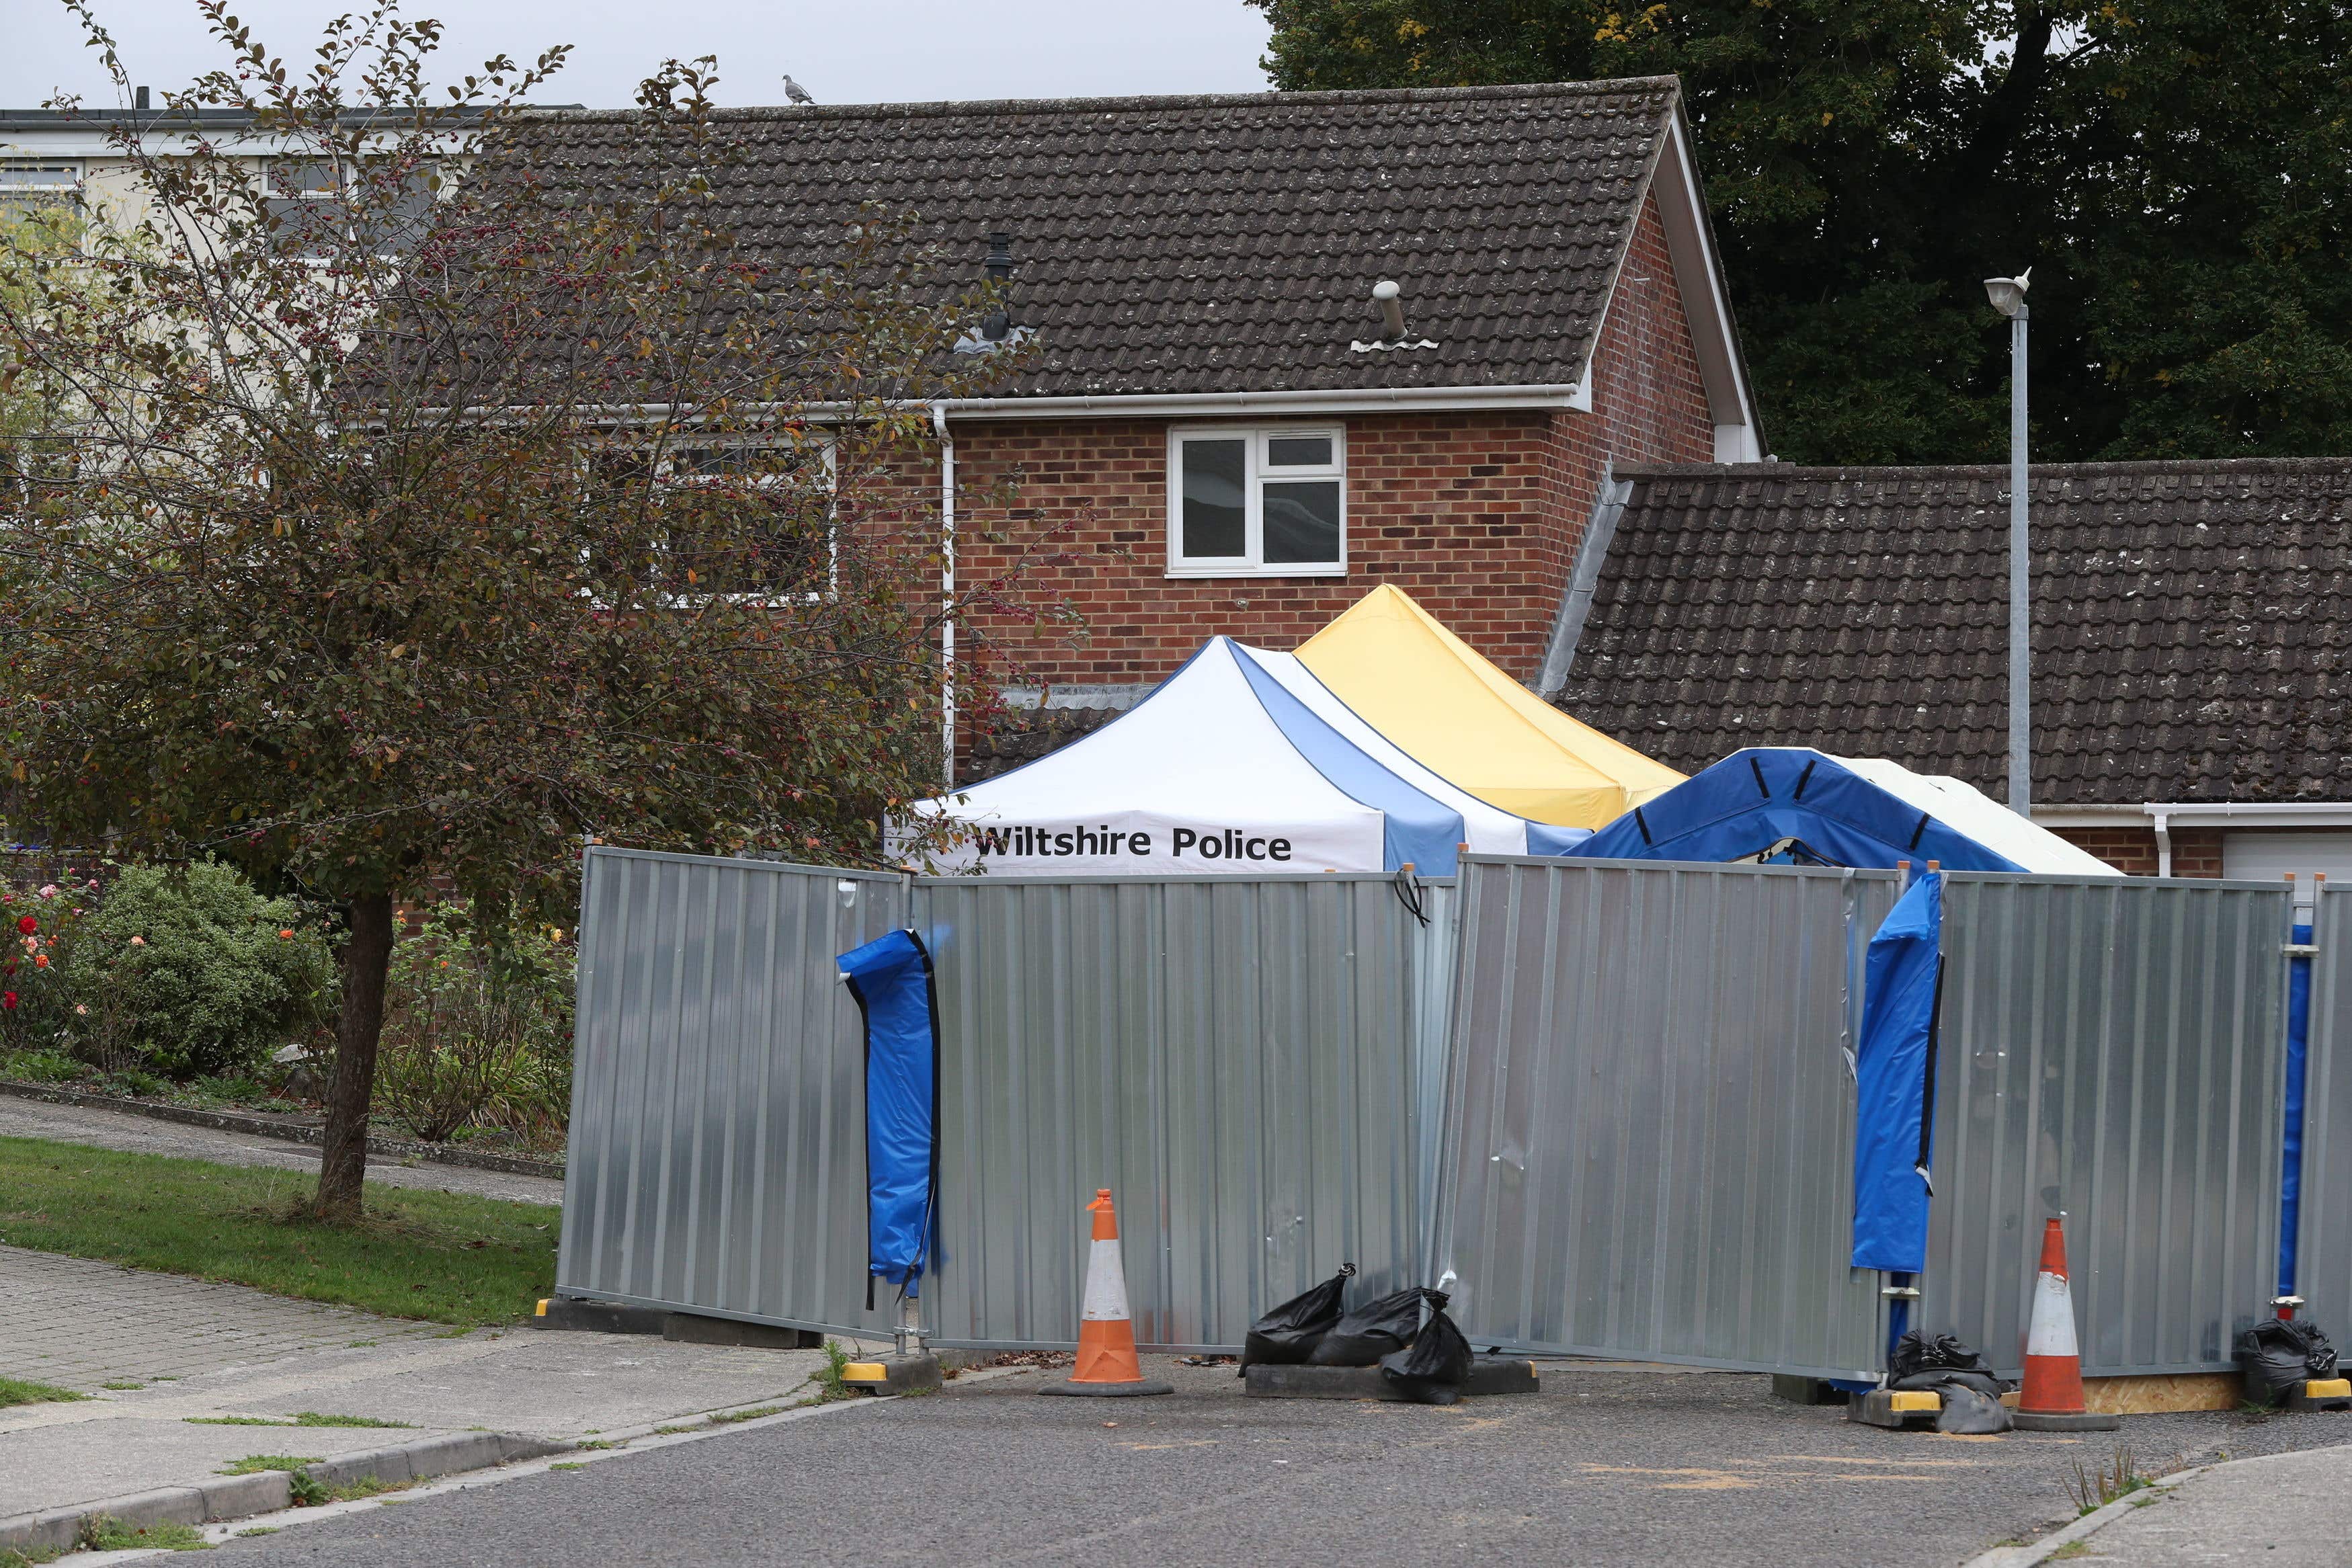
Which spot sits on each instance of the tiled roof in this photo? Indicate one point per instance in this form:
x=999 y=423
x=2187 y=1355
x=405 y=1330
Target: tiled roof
x=2191 y=640
x=1219 y=243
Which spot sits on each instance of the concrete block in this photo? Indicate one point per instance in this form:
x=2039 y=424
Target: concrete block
x=1896 y=1408
x=1798 y=1390
x=598 y=1317
x=893 y=1373
x=2321 y=1394
x=165 y=1505
x=692 y=1328
x=55 y=1527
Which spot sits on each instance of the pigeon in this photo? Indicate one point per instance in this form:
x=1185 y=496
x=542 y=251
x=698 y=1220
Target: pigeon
x=796 y=93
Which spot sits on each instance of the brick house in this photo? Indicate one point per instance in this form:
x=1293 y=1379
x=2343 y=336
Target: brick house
x=2193 y=659
x=1223 y=426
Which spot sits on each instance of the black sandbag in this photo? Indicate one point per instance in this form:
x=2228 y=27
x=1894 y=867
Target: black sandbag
x=1286 y=1335
x=1920 y=1351
x=1970 y=1412
x=2277 y=1355
x=1432 y=1368
x=1372 y=1331
x=1941 y=1377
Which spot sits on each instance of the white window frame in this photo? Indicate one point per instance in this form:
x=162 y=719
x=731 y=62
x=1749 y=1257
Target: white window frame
x=666 y=477
x=30 y=196
x=1256 y=474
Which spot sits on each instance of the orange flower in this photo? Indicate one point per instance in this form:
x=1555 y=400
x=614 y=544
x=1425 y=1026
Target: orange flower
x=287 y=935
x=40 y=961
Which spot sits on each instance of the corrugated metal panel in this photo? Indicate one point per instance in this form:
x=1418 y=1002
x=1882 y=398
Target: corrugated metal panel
x=1234 y=1058
x=2324 y=1257
x=2114 y=1051
x=1650 y=1117
x=718 y=1114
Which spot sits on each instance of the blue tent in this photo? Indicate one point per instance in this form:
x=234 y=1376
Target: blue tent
x=1792 y=804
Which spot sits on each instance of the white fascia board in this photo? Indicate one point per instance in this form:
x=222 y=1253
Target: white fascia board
x=2254 y=814
x=1699 y=279
x=1178 y=405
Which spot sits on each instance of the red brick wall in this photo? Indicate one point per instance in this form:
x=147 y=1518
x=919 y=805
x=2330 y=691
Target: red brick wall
x=1477 y=516
x=2196 y=851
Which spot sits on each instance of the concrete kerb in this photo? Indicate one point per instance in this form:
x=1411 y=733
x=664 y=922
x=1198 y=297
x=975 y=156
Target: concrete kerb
x=235 y=1497
x=233 y=1502
x=2089 y=1524
x=614 y=1445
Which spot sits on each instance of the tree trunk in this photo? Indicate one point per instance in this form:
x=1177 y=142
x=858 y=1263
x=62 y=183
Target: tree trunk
x=367 y=959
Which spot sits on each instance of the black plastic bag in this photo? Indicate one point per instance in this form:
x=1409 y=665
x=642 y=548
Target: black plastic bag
x=1286 y=1335
x=1371 y=1332
x=2277 y=1355
x=1432 y=1368
x=1920 y=1351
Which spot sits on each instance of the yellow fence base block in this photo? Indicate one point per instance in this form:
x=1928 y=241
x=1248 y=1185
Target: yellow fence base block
x=1896 y=1408
x=864 y=1372
x=2328 y=1388
x=542 y=1308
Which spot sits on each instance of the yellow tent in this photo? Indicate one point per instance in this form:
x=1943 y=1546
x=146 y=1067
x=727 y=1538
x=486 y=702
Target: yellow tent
x=1433 y=694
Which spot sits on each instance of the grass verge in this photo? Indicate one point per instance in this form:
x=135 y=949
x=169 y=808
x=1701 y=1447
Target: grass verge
x=16 y=1391
x=448 y=1257
x=106 y=1534
x=254 y=1464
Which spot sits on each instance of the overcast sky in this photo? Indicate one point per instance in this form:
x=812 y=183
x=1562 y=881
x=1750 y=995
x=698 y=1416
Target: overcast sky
x=842 y=51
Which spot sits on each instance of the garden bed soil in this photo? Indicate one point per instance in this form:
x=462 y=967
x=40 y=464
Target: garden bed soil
x=293 y=1129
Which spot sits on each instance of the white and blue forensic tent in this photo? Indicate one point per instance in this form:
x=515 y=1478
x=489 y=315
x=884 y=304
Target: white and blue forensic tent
x=1240 y=762
x=1791 y=803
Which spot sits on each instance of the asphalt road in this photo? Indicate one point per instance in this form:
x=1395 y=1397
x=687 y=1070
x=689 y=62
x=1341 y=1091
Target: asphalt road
x=1601 y=1468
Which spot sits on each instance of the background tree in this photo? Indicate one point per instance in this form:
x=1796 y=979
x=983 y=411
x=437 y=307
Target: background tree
x=2173 y=170
x=424 y=527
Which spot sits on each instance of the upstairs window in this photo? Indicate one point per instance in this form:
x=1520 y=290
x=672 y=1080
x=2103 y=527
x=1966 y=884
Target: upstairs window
x=28 y=189
x=1268 y=502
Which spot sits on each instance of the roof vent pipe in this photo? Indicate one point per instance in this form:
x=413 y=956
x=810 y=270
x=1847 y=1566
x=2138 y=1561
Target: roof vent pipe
x=1385 y=295
x=1000 y=276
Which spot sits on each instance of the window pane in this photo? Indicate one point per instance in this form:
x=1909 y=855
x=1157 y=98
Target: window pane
x=1214 y=519
x=1298 y=452
x=1302 y=524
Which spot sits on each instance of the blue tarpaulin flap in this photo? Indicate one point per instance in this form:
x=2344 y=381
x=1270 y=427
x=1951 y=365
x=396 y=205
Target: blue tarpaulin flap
x=891 y=978
x=1896 y=1069
x=1764 y=797
x=2298 y=1042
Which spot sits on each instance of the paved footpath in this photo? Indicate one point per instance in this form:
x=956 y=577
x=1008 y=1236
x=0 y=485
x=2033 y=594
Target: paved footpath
x=2282 y=1510
x=198 y=1352
x=146 y=1134
x=1604 y=1467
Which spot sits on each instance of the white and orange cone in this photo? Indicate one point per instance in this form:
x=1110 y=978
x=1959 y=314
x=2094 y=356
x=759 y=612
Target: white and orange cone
x=2052 y=1400
x=1106 y=1358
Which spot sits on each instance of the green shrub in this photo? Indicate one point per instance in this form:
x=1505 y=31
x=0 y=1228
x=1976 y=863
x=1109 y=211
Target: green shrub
x=478 y=1030
x=187 y=971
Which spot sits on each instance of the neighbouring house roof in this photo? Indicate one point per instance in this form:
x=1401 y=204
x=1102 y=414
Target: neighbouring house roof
x=1176 y=246
x=2191 y=640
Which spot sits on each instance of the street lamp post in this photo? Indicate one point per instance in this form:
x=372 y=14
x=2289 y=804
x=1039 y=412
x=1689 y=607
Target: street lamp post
x=2008 y=296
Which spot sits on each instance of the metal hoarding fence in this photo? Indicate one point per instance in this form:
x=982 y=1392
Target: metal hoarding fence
x=2324 y=1259
x=2112 y=1050
x=1234 y=1057
x=718 y=1160
x=1649 y=1135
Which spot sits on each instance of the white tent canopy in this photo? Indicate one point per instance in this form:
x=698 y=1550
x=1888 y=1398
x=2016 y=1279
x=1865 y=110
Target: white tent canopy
x=1240 y=763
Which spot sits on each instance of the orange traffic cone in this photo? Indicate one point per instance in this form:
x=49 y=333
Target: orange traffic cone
x=1107 y=1361
x=2052 y=1400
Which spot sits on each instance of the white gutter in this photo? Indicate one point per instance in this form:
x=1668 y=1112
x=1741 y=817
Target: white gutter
x=1112 y=406
x=947 y=593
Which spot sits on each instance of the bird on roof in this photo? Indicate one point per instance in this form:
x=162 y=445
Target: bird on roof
x=796 y=93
